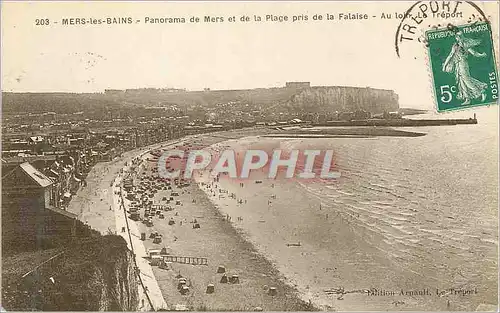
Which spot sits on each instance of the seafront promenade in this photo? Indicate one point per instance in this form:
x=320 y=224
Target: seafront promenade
x=100 y=205
x=149 y=294
x=103 y=206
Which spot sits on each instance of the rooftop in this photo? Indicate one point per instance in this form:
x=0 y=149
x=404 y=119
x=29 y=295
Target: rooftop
x=36 y=175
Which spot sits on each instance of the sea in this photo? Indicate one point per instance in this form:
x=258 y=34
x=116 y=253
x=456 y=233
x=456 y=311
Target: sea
x=411 y=224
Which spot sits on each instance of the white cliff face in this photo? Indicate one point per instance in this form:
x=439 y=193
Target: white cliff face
x=345 y=99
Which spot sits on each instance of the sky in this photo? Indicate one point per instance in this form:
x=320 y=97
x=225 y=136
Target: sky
x=227 y=55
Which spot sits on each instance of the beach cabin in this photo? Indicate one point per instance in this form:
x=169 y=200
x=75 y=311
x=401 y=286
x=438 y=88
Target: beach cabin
x=135 y=216
x=157 y=239
x=210 y=288
x=156 y=260
x=165 y=265
x=153 y=252
x=235 y=279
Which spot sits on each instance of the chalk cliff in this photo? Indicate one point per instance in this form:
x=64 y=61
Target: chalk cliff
x=97 y=275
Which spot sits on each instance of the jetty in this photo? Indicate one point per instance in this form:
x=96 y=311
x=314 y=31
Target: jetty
x=399 y=122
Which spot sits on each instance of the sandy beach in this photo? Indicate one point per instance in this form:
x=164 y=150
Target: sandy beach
x=375 y=229
x=217 y=240
x=321 y=246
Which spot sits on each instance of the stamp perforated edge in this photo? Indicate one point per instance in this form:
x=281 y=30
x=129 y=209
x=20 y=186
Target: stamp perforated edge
x=494 y=41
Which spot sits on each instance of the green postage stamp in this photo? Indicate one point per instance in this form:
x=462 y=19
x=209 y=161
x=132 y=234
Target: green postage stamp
x=463 y=66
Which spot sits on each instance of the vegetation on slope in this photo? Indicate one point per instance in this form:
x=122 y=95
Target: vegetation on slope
x=96 y=274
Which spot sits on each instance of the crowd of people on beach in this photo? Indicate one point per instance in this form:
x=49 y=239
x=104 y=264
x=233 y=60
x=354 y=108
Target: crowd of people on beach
x=214 y=189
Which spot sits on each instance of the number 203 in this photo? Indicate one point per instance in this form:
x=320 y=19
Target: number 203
x=42 y=21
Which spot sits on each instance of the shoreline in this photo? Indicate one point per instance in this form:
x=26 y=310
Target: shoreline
x=240 y=244
x=223 y=244
x=367 y=233
x=244 y=243
x=256 y=272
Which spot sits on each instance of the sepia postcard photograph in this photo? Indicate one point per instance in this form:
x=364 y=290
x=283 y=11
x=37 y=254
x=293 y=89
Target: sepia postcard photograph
x=248 y=156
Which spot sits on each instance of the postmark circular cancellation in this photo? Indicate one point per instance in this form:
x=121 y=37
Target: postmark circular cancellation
x=455 y=38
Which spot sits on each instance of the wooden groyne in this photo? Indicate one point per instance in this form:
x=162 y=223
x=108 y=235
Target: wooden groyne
x=186 y=260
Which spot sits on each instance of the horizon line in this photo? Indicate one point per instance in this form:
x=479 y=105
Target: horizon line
x=191 y=90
